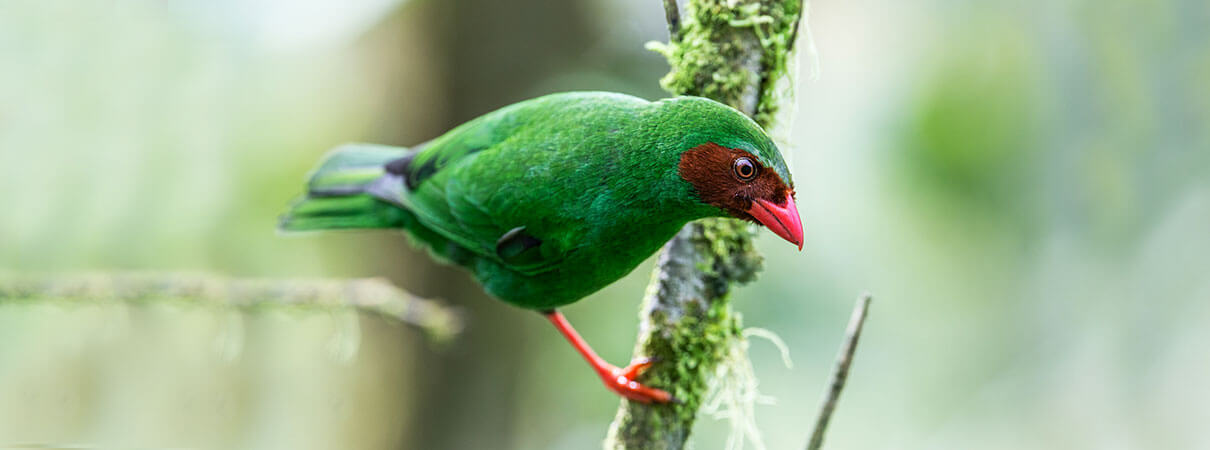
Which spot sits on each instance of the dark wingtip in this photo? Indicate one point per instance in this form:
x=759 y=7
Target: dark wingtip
x=399 y=166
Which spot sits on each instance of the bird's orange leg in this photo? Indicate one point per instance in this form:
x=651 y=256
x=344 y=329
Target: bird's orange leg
x=619 y=380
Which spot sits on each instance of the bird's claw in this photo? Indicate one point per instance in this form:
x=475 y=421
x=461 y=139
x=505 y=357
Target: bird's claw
x=622 y=381
x=637 y=367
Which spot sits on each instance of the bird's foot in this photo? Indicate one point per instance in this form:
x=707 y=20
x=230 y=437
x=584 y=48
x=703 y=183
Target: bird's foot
x=622 y=381
x=619 y=380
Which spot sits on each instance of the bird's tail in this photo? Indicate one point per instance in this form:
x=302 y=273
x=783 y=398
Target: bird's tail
x=337 y=196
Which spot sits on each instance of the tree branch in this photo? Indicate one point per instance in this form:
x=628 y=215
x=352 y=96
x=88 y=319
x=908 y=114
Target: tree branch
x=373 y=295
x=733 y=52
x=841 y=373
x=672 y=14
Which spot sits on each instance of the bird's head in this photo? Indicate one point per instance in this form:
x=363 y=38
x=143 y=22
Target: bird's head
x=734 y=166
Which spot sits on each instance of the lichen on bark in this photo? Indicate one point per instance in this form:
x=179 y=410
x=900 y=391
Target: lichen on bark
x=733 y=52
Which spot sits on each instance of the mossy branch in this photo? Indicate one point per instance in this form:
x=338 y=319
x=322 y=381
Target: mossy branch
x=438 y=322
x=734 y=52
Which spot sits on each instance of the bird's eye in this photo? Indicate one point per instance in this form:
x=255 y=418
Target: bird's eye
x=744 y=168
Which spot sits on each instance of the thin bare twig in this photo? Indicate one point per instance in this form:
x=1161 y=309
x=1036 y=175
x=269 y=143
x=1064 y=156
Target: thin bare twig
x=673 y=14
x=802 y=5
x=843 y=360
x=372 y=295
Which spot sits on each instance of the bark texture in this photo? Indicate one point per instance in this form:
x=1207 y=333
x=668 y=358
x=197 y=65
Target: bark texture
x=733 y=51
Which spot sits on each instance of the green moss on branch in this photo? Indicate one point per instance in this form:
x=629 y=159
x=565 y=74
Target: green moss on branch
x=733 y=52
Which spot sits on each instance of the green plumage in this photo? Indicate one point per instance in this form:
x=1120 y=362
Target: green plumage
x=336 y=196
x=545 y=201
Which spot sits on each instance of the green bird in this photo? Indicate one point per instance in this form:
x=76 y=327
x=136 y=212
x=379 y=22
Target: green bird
x=551 y=199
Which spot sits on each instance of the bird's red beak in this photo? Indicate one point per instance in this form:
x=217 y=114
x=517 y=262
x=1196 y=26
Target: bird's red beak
x=781 y=219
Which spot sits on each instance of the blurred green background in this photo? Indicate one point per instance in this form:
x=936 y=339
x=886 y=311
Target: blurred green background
x=1024 y=186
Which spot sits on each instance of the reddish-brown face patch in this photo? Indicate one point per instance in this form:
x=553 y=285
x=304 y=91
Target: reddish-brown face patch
x=711 y=169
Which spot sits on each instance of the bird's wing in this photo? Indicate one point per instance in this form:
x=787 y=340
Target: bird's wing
x=459 y=211
x=449 y=195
